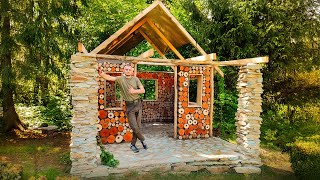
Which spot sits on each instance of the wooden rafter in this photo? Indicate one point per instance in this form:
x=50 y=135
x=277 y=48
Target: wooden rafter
x=125 y=38
x=165 y=39
x=124 y=28
x=188 y=36
x=152 y=44
x=120 y=43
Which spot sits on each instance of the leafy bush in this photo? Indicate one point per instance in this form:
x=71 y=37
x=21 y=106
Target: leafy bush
x=282 y=124
x=58 y=112
x=9 y=171
x=225 y=107
x=106 y=157
x=305 y=157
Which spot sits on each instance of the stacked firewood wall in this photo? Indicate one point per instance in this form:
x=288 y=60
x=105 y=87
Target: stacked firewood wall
x=113 y=124
x=193 y=122
x=161 y=109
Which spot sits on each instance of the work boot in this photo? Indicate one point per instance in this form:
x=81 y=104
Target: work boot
x=144 y=145
x=134 y=148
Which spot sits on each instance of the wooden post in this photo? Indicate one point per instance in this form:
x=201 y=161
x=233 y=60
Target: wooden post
x=175 y=102
x=211 y=99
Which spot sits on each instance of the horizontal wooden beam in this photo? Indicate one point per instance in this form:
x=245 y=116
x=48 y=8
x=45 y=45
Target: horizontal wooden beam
x=175 y=62
x=208 y=57
x=242 y=62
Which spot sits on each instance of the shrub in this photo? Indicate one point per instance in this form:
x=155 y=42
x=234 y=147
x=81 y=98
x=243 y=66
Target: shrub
x=305 y=157
x=9 y=171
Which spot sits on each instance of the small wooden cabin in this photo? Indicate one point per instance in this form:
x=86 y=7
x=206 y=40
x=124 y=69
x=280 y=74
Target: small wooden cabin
x=190 y=110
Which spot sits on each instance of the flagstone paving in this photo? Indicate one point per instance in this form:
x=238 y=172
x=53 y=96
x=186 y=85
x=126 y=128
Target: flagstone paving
x=164 y=149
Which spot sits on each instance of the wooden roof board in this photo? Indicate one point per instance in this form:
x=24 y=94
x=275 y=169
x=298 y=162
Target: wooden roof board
x=121 y=41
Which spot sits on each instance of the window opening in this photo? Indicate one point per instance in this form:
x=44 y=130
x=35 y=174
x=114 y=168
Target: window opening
x=151 y=89
x=195 y=90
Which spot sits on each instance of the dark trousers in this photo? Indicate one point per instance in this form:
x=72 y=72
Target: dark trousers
x=134 y=114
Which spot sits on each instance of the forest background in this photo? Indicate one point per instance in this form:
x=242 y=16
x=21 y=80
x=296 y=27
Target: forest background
x=37 y=39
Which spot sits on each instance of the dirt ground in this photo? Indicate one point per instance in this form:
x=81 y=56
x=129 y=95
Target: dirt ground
x=37 y=153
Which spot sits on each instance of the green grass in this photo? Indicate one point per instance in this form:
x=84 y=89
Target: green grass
x=267 y=173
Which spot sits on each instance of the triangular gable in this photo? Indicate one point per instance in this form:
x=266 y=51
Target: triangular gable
x=151 y=24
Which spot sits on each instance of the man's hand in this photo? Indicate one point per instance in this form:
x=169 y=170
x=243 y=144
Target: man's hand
x=104 y=75
x=131 y=90
x=100 y=72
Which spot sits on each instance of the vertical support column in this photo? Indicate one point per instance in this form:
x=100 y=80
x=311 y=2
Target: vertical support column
x=248 y=120
x=175 y=108
x=83 y=86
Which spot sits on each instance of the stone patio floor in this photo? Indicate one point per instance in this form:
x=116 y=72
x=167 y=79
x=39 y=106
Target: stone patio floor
x=162 y=148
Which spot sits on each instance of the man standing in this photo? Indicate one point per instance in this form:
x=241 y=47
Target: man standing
x=130 y=88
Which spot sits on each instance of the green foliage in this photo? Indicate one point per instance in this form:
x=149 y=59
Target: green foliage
x=9 y=171
x=305 y=157
x=150 y=87
x=225 y=108
x=58 y=112
x=283 y=123
x=102 y=18
x=65 y=158
x=107 y=158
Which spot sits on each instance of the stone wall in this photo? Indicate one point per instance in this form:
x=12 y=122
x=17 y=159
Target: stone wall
x=248 y=120
x=83 y=85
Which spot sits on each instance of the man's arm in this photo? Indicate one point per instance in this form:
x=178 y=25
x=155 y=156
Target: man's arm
x=105 y=76
x=137 y=91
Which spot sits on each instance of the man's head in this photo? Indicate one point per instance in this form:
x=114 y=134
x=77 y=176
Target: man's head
x=128 y=70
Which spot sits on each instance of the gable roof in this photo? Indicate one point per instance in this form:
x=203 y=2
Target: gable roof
x=155 y=24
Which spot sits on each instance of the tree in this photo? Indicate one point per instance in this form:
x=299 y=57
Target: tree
x=7 y=75
x=35 y=41
x=286 y=31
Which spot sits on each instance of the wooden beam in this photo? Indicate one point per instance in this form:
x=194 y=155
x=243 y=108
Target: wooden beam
x=208 y=57
x=152 y=44
x=124 y=28
x=125 y=38
x=147 y=54
x=81 y=48
x=119 y=43
x=211 y=99
x=240 y=62
x=188 y=36
x=218 y=70
x=175 y=111
x=165 y=39
x=154 y=63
